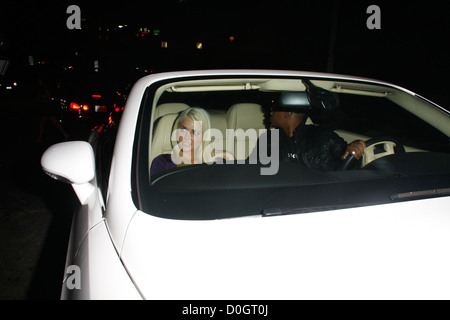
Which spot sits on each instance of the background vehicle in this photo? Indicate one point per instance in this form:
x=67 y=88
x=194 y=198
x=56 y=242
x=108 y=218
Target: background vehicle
x=10 y=81
x=375 y=230
x=7 y=84
x=85 y=101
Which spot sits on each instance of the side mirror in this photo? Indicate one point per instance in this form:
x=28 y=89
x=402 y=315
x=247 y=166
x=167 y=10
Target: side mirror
x=71 y=162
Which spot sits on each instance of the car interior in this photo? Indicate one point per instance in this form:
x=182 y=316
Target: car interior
x=253 y=115
x=393 y=166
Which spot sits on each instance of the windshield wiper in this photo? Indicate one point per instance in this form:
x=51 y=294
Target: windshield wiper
x=421 y=194
x=284 y=211
x=432 y=193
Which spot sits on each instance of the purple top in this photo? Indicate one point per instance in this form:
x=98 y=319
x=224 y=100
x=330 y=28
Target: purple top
x=162 y=162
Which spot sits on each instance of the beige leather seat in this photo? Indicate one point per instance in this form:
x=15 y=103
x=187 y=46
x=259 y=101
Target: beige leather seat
x=164 y=118
x=166 y=108
x=219 y=121
x=244 y=116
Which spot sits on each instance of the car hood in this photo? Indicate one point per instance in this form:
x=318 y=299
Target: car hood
x=397 y=251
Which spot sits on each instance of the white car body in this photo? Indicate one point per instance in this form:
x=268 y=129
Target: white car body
x=393 y=250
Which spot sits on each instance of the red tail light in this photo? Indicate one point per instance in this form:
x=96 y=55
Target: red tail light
x=96 y=96
x=117 y=109
x=74 y=106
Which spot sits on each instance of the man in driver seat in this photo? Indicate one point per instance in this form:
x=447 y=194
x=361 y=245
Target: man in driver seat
x=312 y=146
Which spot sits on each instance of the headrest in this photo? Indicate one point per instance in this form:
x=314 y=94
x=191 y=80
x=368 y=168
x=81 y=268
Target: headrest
x=245 y=116
x=166 y=108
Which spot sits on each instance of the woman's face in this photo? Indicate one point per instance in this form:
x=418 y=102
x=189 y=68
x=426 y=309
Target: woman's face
x=189 y=135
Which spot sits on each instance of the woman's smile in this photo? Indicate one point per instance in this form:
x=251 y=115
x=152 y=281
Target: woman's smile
x=189 y=135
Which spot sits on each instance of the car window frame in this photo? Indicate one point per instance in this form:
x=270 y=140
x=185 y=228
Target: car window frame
x=140 y=166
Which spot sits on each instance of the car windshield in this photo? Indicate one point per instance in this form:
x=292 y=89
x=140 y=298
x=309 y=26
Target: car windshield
x=211 y=148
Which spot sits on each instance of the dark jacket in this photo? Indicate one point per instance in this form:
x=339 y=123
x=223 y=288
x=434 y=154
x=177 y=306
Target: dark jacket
x=312 y=146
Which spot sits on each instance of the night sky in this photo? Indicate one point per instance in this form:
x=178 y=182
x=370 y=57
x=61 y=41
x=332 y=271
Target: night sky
x=411 y=48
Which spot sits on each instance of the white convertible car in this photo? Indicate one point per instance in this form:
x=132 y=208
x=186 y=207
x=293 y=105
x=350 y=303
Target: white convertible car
x=258 y=227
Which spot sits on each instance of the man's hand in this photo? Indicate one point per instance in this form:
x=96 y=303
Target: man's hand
x=356 y=148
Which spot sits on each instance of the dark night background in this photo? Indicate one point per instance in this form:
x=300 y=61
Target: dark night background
x=411 y=49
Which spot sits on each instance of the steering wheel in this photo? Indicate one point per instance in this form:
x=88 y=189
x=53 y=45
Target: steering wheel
x=389 y=146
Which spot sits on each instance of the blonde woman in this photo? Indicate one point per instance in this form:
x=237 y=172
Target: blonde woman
x=192 y=135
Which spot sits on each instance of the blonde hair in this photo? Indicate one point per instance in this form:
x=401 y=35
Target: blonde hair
x=199 y=115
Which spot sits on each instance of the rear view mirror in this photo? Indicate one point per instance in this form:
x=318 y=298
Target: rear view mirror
x=293 y=102
x=314 y=99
